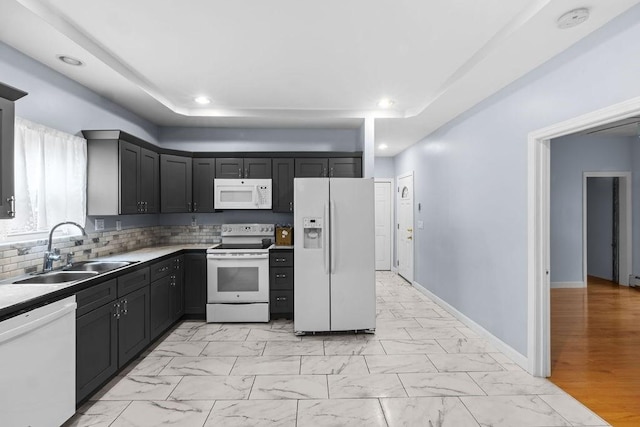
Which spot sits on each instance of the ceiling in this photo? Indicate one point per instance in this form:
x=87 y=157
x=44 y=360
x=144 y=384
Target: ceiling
x=297 y=63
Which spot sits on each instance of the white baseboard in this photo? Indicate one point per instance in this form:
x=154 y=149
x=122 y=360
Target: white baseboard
x=560 y=285
x=505 y=348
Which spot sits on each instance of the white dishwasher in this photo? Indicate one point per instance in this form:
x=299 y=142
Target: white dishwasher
x=38 y=366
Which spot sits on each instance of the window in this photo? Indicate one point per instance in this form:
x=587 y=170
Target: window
x=50 y=181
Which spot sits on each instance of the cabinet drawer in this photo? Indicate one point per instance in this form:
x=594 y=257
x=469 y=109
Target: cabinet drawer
x=281 y=301
x=164 y=268
x=281 y=258
x=96 y=296
x=281 y=278
x=131 y=281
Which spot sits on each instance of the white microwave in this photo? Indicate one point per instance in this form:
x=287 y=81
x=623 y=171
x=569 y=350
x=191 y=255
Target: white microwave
x=242 y=193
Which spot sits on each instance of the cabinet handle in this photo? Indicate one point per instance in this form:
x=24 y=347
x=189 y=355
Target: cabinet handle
x=239 y=172
x=281 y=259
x=281 y=298
x=12 y=206
x=124 y=307
x=324 y=171
x=163 y=269
x=139 y=204
x=290 y=206
x=117 y=313
x=246 y=173
x=331 y=172
x=281 y=276
x=146 y=208
x=188 y=206
x=195 y=206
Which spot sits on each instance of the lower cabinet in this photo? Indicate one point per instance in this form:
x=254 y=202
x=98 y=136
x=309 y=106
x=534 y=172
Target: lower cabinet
x=160 y=301
x=195 y=285
x=167 y=294
x=281 y=283
x=133 y=325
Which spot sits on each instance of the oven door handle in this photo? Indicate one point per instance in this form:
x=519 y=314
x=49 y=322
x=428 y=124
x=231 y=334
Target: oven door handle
x=236 y=257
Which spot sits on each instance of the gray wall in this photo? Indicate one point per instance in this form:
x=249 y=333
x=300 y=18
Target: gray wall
x=472 y=252
x=234 y=139
x=384 y=168
x=599 y=227
x=570 y=157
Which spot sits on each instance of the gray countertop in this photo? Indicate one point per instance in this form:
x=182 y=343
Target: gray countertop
x=11 y=295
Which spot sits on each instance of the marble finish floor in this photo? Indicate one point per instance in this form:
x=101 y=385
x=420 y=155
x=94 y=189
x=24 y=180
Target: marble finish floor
x=421 y=368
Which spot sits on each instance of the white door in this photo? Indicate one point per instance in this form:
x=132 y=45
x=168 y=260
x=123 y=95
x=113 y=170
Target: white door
x=383 y=225
x=405 y=226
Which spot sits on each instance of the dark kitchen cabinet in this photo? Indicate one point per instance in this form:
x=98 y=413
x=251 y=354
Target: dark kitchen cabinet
x=96 y=337
x=238 y=167
x=281 y=283
x=203 y=175
x=8 y=95
x=175 y=183
x=345 y=167
x=195 y=284
x=160 y=300
x=167 y=294
x=311 y=168
x=123 y=175
x=133 y=325
x=283 y=174
x=176 y=306
x=333 y=167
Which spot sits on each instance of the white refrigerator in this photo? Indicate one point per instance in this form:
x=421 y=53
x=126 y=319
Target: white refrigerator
x=334 y=255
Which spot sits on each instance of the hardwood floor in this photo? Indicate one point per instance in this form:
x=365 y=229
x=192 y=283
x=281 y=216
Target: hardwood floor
x=595 y=348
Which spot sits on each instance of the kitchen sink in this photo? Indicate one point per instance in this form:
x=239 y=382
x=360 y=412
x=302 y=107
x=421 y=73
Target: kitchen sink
x=57 y=277
x=96 y=266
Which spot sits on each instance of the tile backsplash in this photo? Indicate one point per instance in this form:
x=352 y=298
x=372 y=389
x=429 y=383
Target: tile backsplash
x=18 y=258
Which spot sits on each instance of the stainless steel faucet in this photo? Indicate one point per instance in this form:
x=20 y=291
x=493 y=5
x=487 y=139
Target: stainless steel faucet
x=49 y=255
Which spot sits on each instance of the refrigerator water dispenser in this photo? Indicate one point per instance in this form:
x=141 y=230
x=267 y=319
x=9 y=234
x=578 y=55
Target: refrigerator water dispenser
x=312 y=230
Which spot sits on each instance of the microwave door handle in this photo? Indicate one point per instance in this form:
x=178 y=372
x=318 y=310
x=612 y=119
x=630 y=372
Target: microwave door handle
x=256 y=197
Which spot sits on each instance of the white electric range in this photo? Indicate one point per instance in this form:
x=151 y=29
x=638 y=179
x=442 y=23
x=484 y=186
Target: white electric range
x=238 y=274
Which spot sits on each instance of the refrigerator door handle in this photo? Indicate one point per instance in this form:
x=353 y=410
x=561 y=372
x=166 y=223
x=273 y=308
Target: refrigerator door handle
x=332 y=222
x=325 y=242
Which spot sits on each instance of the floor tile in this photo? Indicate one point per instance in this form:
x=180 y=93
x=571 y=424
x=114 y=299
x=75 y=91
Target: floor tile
x=223 y=333
x=501 y=383
x=390 y=333
x=397 y=323
x=179 y=334
x=289 y=387
x=360 y=386
x=96 y=414
x=229 y=348
x=356 y=347
x=572 y=410
x=402 y=313
x=471 y=362
x=392 y=364
x=288 y=348
x=466 y=345
x=411 y=346
x=427 y=411
x=146 y=366
x=340 y=412
x=433 y=333
x=468 y=332
x=213 y=388
x=523 y=411
x=440 y=384
x=271 y=335
x=199 y=366
x=321 y=365
x=138 y=388
x=438 y=322
x=164 y=413
x=267 y=365
x=170 y=349
x=506 y=363
x=254 y=413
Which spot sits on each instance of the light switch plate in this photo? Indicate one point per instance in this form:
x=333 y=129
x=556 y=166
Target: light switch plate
x=98 y=225
x=420 y=225
x=118 y=225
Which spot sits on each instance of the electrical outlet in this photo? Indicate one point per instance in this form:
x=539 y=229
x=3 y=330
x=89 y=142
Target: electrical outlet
x=98 y=225
x=118 y=225
x=194 y=221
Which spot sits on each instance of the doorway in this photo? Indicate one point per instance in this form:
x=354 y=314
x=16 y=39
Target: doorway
x=384 y=223
x=606 y=234
x=405 y=226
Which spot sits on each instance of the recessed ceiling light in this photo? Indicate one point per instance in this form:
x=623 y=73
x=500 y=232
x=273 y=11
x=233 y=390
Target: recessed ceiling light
x=573 y=18
x=383 y=146
x=385 y=103
x=70 y=60
x=203 y=100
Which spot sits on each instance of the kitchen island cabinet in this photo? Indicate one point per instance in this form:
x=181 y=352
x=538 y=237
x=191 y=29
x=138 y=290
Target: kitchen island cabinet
x=8 y=95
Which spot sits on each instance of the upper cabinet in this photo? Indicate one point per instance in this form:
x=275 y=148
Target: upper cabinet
x=333 y=167
x=8 y=95
x=238 y=167
x=203 y=174
x=282 y=191
x=175 y=183
x=123 y=174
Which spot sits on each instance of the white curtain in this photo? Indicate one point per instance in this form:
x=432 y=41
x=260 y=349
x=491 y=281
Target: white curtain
x=50 y=179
